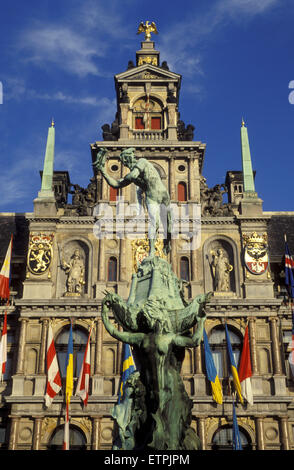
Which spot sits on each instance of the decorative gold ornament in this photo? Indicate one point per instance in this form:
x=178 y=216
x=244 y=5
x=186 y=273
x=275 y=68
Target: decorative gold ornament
x=147 y=29
x=256 y=252
x=140 y=250
x=147 y=60
x=40 y=253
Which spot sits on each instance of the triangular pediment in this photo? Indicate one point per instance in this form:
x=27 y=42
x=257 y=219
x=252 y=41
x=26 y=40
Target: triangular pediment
x=147 y=72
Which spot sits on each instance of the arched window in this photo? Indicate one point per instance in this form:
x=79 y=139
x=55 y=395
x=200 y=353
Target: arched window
x=148 y=114
x=79 y=338
x=113 y=194
x=184 y=268
x=182 y=191
x=223 y=439
x=77 y=439
x=218 y=345
x=112 y=269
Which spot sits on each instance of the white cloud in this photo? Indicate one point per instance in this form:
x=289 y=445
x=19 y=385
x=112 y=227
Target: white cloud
x=247 y=7
x=16 y=89
x=64 y=47
x=78 y=46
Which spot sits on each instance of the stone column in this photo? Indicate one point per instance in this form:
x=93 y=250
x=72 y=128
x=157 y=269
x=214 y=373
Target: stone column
x=172 y=182
x=96 y=420
x=173 y=255
x=122 y=261
x=13 y=432
x=194 y=265
x=102 y=259
x=119 y=353
x=252 y=342
x=37 y=433
x=21 y=348
x=198 y=360
x=191 y=178
x=43 y=346
x=259 y=433
x=275 y=347
x=196 y=177
x=284 y=433
x=104 y=190
x=201 y=432
x=99 y=341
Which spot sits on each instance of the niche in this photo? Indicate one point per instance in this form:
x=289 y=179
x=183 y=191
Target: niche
x=74 y=272
x=221 y=268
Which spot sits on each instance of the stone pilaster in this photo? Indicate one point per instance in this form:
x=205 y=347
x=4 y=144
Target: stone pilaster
x=37 y=433
x=260 y=433
x=13 y=432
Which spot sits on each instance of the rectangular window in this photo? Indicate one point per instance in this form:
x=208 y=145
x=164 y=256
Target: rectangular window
x=139 y=123
x=113 y=193
x=156 y=123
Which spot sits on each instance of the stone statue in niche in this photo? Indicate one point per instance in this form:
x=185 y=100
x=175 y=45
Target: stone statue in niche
x=221 y=269
x=75 y=270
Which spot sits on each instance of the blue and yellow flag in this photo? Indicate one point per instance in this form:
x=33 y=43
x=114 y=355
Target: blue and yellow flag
x=69 y=368
x=233 y=366
x=128 y=367
x=211 y=372
x=237 y=445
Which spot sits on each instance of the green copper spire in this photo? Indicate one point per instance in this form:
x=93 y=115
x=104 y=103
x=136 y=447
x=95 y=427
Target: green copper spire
x=47 y=177
x=248 y=178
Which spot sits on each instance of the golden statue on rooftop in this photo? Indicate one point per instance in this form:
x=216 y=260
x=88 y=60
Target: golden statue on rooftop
x=147 y=29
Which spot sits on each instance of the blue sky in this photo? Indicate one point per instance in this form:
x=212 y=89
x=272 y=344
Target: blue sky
x=58 y=59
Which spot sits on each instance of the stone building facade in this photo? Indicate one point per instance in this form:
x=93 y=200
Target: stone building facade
x=65 y=230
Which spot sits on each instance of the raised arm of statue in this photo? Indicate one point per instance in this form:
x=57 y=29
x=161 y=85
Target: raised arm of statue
x=121 y=183
x=125 y=337
x=192 y=342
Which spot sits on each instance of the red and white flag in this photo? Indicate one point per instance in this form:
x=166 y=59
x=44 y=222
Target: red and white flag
x=3 y=349
x=53 y=374
x=82 y=389
x=5 y=274
x=245 y=371
x=66 y=430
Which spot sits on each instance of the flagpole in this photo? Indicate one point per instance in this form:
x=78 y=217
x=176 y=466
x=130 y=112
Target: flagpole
x=68 y=386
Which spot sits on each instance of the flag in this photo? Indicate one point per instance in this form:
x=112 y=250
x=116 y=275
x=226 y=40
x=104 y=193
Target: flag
x=289 y=270
x=66 y=429
x=237 y=445
x=5 y=294
x=211 y=372
x=69 y=368
x=128 y=368
x=53 y=375
x=5 y=274
x=82 y=389
x=68 y=387
x=245 y=371
x=233 y=366
x=3 y=349
x=289 y=281
x=291 y=355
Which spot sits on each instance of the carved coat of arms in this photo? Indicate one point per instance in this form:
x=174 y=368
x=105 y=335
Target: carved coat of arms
x=40 y=253
x=256 y=252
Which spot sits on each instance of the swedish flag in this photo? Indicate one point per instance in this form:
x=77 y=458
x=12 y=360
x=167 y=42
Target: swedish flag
x=69 y=368
x=128 y=367
x=211 y=372
x=233 y=366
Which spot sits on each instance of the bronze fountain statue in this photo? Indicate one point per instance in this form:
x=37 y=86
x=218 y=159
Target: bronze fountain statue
x=155 y=413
